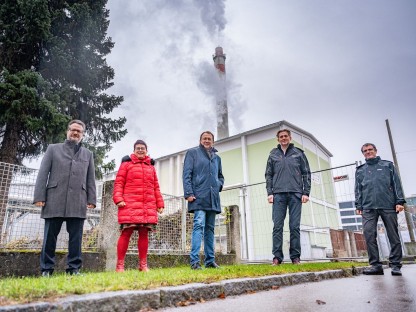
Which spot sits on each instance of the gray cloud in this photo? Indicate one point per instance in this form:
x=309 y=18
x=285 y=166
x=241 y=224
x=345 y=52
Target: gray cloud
x=336 y=69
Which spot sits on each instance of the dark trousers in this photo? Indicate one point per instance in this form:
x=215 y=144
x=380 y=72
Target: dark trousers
x=281 y=202
x=389 y=217
x=74 y=227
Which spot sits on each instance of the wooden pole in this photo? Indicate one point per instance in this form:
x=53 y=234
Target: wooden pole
x=396 y=164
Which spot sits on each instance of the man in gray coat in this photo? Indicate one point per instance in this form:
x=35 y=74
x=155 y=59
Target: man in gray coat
x=65 y=188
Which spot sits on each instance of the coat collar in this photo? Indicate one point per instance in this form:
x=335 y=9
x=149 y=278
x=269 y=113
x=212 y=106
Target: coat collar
x=71 y=143
x=373 y=161
x=291 y=145
x=204 y=150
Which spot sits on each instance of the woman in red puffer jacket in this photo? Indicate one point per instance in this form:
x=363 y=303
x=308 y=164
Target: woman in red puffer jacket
x=138 y=197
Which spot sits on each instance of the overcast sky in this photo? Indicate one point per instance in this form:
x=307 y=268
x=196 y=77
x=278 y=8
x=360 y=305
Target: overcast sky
x=337 y=69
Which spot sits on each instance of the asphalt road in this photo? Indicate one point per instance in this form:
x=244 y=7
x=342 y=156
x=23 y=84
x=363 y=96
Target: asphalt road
x=381 y=293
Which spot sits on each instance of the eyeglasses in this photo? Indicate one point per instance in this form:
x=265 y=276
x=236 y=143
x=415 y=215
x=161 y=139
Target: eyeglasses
x=140 y=148
x=368 y=150
x=76 y=130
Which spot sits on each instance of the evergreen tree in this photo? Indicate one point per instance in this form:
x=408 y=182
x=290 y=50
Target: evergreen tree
x=53 y=69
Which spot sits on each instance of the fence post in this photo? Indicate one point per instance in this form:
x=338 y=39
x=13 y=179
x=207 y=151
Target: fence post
x=109 y=230
x=233 y=233
x=347 y=243
x=183 y=224
x=354 y=252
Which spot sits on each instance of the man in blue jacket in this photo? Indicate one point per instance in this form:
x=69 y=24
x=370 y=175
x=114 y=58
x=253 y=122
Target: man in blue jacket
x=288 y=183
x=202 y=183
x=378 y=193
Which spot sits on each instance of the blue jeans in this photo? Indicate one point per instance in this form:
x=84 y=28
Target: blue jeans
x=282 y=201
x=204 y=223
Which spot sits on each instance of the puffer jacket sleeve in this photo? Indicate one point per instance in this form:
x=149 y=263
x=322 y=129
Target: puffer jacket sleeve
x=188 y=168
x=158 y=194
x=119 y=183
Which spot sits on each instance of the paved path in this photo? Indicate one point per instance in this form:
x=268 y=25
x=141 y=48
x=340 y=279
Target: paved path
x=381 y=293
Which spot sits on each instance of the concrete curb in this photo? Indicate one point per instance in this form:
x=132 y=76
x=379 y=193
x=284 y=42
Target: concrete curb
x=136 y=300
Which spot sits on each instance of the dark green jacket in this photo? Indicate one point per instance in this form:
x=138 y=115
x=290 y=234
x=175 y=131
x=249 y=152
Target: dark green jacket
x=288 y=172
x=377 y=185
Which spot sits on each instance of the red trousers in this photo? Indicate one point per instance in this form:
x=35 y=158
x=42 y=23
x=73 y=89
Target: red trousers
x=142 y=243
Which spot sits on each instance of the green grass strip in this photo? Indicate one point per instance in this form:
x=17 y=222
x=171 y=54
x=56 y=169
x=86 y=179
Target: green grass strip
x=31 y=289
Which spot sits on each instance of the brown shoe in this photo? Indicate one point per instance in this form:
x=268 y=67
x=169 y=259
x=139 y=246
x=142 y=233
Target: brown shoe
x=296 y=261
x=276 y=261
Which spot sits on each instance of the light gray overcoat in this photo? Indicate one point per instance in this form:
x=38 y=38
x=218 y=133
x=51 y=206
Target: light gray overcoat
x=66 y=181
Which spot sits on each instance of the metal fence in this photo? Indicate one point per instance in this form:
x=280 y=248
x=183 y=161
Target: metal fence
x=22 y=228
x=20 y=222
x=320 y=216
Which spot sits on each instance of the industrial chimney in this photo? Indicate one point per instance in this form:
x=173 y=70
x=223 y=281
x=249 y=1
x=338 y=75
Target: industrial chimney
x=222 y=109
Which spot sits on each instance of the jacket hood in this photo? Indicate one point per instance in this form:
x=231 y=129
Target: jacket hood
x=135 y=159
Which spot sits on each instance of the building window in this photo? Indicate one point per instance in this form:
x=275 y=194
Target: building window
x=348 y=220
x=345 y=205
x=347 y=213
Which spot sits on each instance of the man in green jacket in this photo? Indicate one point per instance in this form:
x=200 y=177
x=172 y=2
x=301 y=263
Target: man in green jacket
x=378 y=193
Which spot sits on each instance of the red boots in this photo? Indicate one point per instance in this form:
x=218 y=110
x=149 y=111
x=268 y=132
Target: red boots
x=143 y=265
x=120 y=266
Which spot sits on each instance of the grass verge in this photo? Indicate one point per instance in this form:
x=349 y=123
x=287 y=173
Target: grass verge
x=32 y=289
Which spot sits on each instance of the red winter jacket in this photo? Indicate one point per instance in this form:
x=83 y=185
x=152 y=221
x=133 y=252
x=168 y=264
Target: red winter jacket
x=136 y=184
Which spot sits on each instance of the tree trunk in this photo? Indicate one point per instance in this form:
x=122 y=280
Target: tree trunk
x=8 y=148
x=8 y=159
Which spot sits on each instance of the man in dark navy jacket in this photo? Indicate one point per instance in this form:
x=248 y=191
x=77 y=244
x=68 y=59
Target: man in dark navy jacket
x=202 y=183
x=378 y=192
x=288 y=183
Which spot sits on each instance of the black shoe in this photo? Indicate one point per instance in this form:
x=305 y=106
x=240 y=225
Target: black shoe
x=374 y=270
x=74 y=272
x=46 y=273
x=276 y=261
x=212 y=265
x=396 y=271
x=196 y=266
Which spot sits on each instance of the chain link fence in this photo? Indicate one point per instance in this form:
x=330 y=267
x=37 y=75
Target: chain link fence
x=20 y=222
x=325 y=228
x=22 y=228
